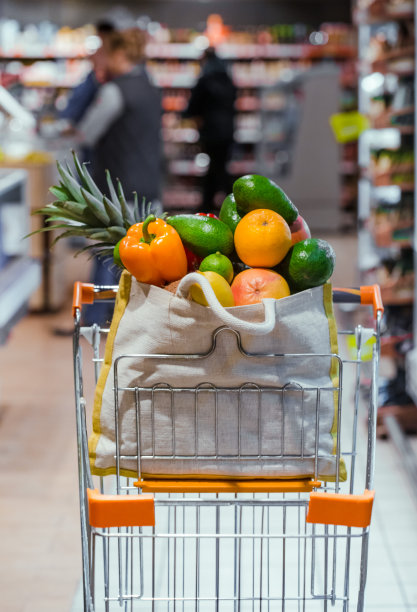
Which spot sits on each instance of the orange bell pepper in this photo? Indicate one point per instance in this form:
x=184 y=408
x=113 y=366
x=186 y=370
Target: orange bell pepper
x=153 y=252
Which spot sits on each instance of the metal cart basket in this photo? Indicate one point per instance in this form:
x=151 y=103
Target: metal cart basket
x=162 y=544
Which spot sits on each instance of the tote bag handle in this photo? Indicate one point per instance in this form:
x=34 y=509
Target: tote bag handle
x=259 y=329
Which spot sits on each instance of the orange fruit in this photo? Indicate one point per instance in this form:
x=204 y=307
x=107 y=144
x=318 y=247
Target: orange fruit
x=262 y=238
x=253 y=285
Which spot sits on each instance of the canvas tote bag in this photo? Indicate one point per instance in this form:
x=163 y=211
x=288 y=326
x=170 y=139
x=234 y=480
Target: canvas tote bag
x=217 y=405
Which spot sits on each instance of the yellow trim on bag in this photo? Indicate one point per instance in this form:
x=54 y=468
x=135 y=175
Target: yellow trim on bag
x=122 y=300
x=334 y=372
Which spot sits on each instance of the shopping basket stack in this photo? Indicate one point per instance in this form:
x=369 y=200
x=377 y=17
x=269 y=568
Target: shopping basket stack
x=245 y=533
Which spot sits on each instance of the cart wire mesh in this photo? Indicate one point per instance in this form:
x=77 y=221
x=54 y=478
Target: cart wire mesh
x=211 y=551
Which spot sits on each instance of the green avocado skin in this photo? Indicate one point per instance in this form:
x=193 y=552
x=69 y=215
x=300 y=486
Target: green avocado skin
x=254 y=191
x=203 y=235
x=309 y=263
x=228 y=212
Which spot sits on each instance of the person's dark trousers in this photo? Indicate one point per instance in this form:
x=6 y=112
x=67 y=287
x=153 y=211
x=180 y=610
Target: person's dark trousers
x=217 y=178
x=104 y=273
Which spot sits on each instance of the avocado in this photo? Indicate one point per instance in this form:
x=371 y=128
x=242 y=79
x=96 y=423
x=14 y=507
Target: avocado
x=203 y=235
x=254 y=191
x=229 y=213
x=308 y=263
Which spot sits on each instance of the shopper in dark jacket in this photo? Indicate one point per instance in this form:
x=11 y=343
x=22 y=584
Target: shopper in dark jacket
x=123 y=124
x=212 y=103
x=83 y=94
x=122 y=128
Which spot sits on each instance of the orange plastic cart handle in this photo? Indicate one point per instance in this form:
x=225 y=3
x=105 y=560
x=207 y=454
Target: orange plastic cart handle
x=83 y=294
x=367 y=294
x=371 y=295
x=120 y=510
x=335 y=509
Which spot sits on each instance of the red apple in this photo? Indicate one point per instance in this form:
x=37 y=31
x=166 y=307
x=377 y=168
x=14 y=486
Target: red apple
x=299 y=230
x=251 y=286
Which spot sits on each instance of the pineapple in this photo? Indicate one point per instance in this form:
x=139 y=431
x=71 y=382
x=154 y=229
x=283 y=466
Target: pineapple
x=80 y=209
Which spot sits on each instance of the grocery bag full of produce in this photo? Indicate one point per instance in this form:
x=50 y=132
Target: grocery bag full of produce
x=220 y=357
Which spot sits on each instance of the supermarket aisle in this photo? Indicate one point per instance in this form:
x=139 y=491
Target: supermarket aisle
x=39 y=526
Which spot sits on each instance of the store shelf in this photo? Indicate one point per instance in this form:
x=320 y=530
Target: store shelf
x=18 y=280
x=29 y=59
x=189 y=51
x=364 y=17
x=407 y=51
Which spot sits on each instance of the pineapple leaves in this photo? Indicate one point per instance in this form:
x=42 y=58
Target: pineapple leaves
x=96 y=207
x=112 y=191
x=60 y=192
x=81 y=209
x=136 y=212
x=127 y=215
x=70 y=183
x=113 y=213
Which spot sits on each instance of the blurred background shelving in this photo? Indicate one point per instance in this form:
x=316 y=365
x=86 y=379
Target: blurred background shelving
x=387 y=203
x=40 y=63
x=41 y=66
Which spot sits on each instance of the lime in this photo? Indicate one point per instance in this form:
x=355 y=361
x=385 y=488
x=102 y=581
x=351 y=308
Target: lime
x=220 y=287
x=217 y=262
x=308 y=263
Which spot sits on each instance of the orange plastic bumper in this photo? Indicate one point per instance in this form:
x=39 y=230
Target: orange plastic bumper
x=227 y=486
x=120 y=510
x=335 y=509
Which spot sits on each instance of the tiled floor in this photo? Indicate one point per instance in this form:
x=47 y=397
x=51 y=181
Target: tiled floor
x=39 y=523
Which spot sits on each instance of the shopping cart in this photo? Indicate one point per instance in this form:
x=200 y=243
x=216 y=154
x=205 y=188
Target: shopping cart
x=220 y=545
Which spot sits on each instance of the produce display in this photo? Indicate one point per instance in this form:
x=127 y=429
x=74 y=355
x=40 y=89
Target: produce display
x=258 y=247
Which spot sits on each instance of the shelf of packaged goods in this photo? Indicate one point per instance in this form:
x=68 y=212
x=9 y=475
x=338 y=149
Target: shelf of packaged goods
x=190 y=51
x=180 y=135
x=380 y=242
x=401 y=71
x=48 y=84
x=27 y=59
x=180 y=167
x=181 y=199
x=387 y=178
x=385 y=119
x=405 y=187
x=191 y=136
x=248 y=104
x=396 y=53
x=377 y=182
x=180 y=81
x=244 y=104
x=366 y=17
x=240 y=167
x=185 y=167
